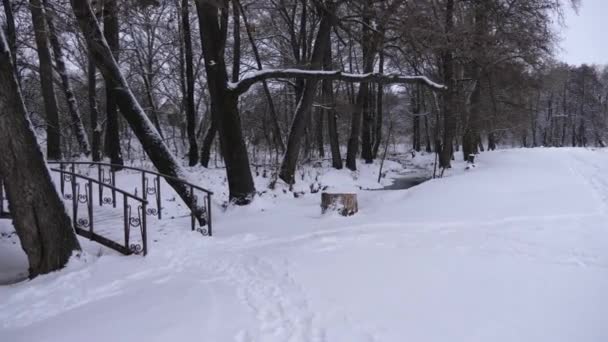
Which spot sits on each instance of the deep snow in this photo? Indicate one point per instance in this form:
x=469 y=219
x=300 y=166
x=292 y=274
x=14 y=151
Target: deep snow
x=512 y=250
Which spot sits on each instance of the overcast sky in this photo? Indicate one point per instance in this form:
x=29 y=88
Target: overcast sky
x=585 y=39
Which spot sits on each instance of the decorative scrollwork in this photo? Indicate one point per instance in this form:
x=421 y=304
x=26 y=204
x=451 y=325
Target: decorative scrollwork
x=152 y=211
x=134 y=221
x=68 y=197
x=136 y=248
x=107 y=200
x=151 y=190
x=83 y=222
x=107 y=180
x=203 y=231
x=67 y=177
x=84 y=198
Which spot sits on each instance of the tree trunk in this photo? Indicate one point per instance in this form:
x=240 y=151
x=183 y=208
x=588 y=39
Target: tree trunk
x=190 y=108
x=302 y=113
x=110 y=32
x=327 y=91
x=137 y=119
x=379 y=109
x=225 y=102
x=416 y=125
x=93 y=110
x=208 y=143
x=11 y=31
x=73 y=110
x=53 y=143
x=319 y=131
x=368 y=43
x=449 y=117
x=39 y=217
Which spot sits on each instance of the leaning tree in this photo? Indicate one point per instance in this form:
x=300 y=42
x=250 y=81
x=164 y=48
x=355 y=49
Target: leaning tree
x=39 y=217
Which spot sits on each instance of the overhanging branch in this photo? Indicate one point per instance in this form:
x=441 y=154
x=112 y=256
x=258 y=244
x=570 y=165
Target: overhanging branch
x=245 y=83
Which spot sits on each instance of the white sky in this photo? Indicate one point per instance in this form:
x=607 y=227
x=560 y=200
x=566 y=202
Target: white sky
x=585 y=39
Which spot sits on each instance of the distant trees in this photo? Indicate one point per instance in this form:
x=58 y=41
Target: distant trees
x=238 y=82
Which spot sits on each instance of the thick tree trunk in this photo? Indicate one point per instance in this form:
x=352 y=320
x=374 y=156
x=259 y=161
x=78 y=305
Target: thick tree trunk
x=302 y=113
x=73 y=110
x=327 y=93
x=137 y=119
x=449 y=112
x=368 y=45
x=190 y=107
x=225 y=102
x=39 y=217
x=110 y=32
x=319 y=131
x=471 y=134
x=93 y=110
x=53 y=142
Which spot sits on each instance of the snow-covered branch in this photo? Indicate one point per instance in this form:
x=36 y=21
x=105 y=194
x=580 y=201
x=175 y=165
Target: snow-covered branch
x=249 y=80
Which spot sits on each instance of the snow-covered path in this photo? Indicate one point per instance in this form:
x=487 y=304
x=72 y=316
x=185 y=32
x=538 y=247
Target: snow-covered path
x=513 y=250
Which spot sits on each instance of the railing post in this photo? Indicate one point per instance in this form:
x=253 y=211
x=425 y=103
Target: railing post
x=144 y=231
x=144 y=185
x=62 y=181
x=209 y=214
x=158 y=199
x=90 y=205
x=74 y=201
x=113 y=181
x=99 y=187
x=126 y=216
x=192 y=207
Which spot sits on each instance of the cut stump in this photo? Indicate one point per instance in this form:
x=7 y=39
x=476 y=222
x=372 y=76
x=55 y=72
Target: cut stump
x=345 y=204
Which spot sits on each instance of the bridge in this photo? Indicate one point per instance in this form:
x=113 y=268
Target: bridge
x=113 y=216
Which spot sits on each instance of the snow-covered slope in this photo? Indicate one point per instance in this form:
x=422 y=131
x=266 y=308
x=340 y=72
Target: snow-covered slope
x=515 y=249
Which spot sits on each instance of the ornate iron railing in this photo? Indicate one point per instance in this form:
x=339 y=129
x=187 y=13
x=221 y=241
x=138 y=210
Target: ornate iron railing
x=150 y=186
x=85 y=225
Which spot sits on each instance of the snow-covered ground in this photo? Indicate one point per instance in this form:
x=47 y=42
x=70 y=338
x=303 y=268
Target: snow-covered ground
x=515 y=249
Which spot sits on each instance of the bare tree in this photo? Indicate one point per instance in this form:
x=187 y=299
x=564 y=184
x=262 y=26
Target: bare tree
x=39 y=216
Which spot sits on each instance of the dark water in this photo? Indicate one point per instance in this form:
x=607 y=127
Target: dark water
x=406 y=182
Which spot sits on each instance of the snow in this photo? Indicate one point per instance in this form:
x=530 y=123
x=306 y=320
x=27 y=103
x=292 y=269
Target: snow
x=512 y=250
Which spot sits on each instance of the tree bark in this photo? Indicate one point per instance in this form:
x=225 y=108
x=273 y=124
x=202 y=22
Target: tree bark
x=93 y=110
x=302 y=113
x=327 y=91
x=379 y=110
x=469 y=140
x=190 y=107
x=137 y=119
x=110 y=32
x=39 y=217
x=208 y=143
x=53 y=142
x=224 y=102
x=449 y=115
x=73 y=110
x=11 y=31
x=368 y=43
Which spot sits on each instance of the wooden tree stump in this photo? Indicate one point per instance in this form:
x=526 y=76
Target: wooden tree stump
x=345 y=204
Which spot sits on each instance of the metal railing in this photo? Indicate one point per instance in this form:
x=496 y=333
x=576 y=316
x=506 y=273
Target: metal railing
x=150 y=186
x=85 y=225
